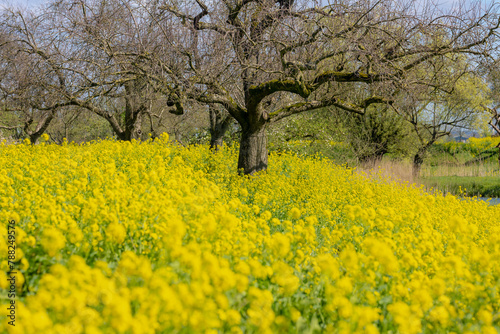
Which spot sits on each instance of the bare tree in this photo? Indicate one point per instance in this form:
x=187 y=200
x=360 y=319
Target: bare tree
x=264 y=60
x=28 y=80
x=455 y=103
x=80 y=54
x=100 y=37
x=260 y=60
x=491 y=70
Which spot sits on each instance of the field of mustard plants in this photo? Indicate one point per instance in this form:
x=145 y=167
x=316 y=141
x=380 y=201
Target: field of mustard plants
x=118 y=237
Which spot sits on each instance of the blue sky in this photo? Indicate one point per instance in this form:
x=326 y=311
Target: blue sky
x=24 y=3
x=34 y=3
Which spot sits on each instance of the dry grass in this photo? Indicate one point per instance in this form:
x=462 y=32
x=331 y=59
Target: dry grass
x=475 y=170
x=386 y=169
x=401 y=171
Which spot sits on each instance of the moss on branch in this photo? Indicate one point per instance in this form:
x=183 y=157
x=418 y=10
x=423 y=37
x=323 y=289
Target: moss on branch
x=356 y=76
x=259 y=92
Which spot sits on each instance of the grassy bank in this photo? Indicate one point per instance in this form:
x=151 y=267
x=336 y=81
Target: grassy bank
x=482 y=180
x=465 y=169
x=485 y=186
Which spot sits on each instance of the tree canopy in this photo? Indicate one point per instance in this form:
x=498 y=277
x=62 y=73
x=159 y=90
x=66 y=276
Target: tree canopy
x=258 y=60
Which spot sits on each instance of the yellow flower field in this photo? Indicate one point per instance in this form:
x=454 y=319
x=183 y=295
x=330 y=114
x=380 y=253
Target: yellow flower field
x=475 y=146
x=115 y=237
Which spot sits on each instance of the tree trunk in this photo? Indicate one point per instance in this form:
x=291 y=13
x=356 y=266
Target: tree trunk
x=418 y=160
x=216 y=141
x=134 y=110
x=34 y=137
x=42 y=126
x=133 y=123
x=253 y=150
x=218 y=127
x=136 y=130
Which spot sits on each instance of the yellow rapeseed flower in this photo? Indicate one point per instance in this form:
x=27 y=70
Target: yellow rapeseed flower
x=52 y=241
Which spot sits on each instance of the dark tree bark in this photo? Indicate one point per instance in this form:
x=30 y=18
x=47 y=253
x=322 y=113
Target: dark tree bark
x=418 y=160
x=134 y=110
x=41 y=127
x=133 y=124
x=219 y=124
x=133 y=128
x=253 y=150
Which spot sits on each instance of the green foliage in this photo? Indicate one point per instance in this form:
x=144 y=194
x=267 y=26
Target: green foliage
x=470 y=95
x=378 y=132
x=314 y=133
x=202 y=136
x=463 y=152
x=344 y=137
x=79 y=127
